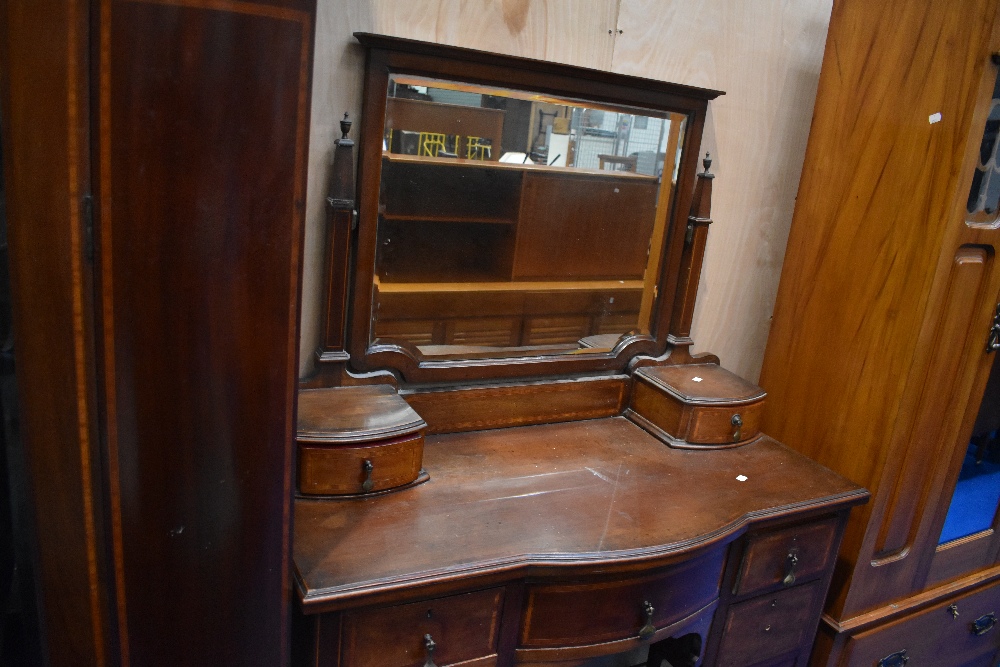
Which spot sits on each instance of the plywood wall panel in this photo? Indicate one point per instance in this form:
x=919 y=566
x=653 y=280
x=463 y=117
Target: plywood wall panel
x=766 y=55
x=566 y=31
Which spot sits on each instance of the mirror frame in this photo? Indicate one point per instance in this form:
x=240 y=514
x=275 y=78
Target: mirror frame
x=390 y=55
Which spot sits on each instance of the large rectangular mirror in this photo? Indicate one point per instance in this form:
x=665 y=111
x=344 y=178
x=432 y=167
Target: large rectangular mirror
x=514 y=222
x=515 y=214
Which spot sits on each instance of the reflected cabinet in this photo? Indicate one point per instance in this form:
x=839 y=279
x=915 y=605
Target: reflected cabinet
x=508 y=455
x=881 y=358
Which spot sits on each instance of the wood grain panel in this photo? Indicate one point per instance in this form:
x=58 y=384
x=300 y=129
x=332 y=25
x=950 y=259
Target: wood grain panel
x=865 y=370
x=573 y=31
x=46 y=158
x=931 y=435
x=766 y=55
x=600 y=237
x=478 y=408
x=203 y=131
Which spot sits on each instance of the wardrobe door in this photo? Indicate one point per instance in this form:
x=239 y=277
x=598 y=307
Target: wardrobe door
x=43 y=48
x=200 y=149
x=887 y=291
x=965 y=517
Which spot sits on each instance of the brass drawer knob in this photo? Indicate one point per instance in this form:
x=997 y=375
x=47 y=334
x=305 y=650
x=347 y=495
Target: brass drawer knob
x=648 y=630
x=737 y=422
x=792 y=560
x=429 y=647
x=367 y=467
x=984 y=624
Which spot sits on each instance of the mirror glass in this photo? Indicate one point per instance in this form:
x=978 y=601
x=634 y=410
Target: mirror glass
x=516 y=224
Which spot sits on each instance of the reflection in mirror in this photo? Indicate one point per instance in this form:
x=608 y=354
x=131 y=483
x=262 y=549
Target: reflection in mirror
x=974 y=502
x=517 y=224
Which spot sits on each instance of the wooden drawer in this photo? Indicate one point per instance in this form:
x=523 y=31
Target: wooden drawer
x=464 y=629
x=934 y=636
x=342 y=469
x=699 y=405
x=768 y=558
x=354 y=440
x=770 y=625
x=577 y=614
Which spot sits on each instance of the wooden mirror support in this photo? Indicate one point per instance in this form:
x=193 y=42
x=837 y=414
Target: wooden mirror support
x=578 y=505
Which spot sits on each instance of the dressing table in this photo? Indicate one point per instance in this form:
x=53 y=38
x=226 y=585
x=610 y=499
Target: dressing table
x=508 y=454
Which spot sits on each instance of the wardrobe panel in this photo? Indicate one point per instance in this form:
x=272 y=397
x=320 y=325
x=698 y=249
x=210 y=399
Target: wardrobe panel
x=930 y=435
x=202 y=133
x=43 y=51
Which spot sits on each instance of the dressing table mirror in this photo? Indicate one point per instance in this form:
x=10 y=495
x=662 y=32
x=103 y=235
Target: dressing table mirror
x=508 y=454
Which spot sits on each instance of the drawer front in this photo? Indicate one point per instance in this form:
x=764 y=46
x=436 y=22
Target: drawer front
x=341 y=469
x=804 y=552
x=463 y=628
x=714 y=426
x=935 y=636
x=696 y=423
x=770 y=625
x=577 y=614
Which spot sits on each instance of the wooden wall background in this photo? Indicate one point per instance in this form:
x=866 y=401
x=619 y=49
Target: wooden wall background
x=765 y=54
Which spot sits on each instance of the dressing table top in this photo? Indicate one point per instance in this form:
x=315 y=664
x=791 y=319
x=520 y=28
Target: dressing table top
x=572 y=496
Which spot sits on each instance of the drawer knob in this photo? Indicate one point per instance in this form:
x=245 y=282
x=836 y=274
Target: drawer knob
x=367 y=466
x=792 y=560
x=737 y=422
x=429 y=647
x=648 y=630
x=897 y=659
x=984 y=624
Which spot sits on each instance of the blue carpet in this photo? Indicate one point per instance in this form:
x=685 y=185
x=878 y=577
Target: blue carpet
x=975 y=500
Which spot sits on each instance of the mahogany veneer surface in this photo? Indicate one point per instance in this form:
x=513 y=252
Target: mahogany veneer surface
x=355 y=414
x=576 y=493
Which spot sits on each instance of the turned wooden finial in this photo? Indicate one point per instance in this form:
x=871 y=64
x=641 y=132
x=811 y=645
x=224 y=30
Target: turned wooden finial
x=341 y=192
x=345 y=125
x=707 y=162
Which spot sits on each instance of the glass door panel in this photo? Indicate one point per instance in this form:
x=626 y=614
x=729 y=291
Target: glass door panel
x=977 y=494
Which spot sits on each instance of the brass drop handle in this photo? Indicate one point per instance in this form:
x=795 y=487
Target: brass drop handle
x=737 y=422
x=367 y=466
x=984 y=624
x=793 y=560
x=429 y=647
x=648 y=630
x=897 y=659
x=993 y=341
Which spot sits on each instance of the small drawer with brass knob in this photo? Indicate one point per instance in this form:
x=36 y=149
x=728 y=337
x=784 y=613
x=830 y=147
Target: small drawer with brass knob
x=443 y=631
x=787 y=556
x=357 y=440
x=696 y=406
x=632 y=609
x=769 y=625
